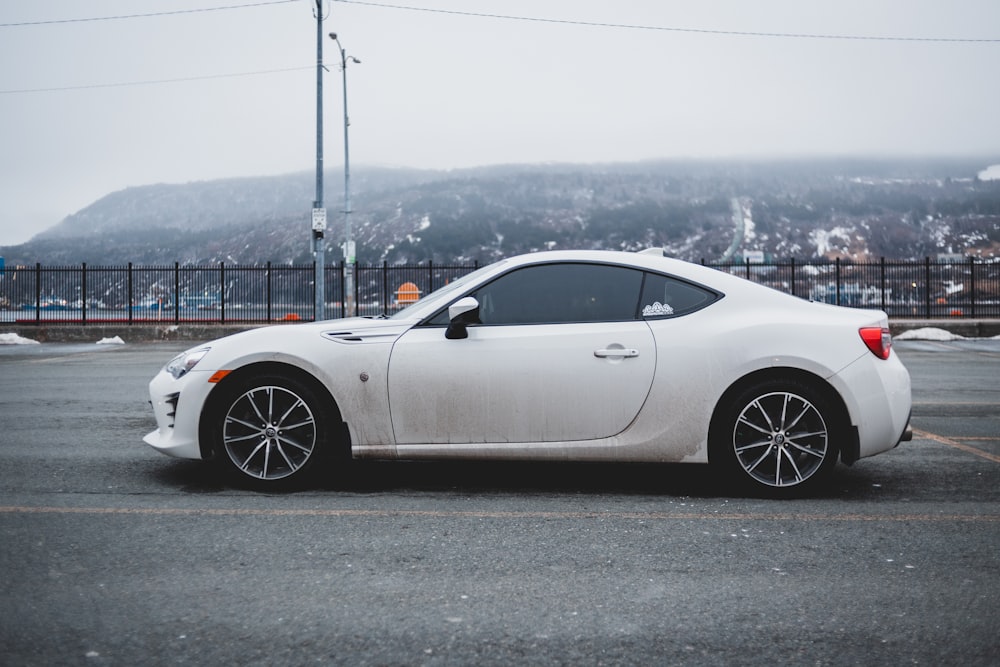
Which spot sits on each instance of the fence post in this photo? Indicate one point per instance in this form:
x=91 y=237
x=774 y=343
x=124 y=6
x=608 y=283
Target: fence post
x=268 y=290
x=222 y=291
x=793 y=276
x=129 y=300
x=430 y=275
x=315 y=287
x=343 y=288
x=177 y=293
x=972 y=286
x=385 y=287
x=927 y=287
x=83 y=294
x=881 y=290
x=38 y=292
x=837 y=279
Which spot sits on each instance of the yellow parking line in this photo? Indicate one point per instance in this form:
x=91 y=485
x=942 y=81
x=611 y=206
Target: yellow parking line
x=957 y=445
x=494 y=514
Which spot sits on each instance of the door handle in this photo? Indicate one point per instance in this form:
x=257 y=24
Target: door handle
x=616 y=352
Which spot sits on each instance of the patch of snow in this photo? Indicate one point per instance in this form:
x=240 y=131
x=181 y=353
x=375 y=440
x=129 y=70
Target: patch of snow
x=823 y=239
x=940 y=235
x=425 y=222
x=14 y=339
x=928 y=333
x=991 y=173
x=117 y=340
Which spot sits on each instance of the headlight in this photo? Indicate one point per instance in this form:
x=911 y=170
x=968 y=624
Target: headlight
x=182 y=363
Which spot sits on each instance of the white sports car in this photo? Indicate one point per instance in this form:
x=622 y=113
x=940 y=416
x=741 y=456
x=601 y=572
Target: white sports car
x=570 y=355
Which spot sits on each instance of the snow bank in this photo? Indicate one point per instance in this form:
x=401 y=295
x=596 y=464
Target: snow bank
x=14 y=339
x=117 y=340
x=928 y=333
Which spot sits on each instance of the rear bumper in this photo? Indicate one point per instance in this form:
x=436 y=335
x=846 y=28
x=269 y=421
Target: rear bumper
x=876 y=393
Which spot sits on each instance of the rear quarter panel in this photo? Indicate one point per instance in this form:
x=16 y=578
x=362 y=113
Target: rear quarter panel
x=699 y=356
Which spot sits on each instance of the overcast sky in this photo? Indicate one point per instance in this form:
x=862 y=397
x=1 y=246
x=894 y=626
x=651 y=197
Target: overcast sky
x=585 y=81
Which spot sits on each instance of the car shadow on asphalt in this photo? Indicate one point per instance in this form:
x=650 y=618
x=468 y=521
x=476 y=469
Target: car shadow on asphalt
x=543 y=479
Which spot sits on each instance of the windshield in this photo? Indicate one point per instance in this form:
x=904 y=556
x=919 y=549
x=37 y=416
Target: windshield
x=437 y=299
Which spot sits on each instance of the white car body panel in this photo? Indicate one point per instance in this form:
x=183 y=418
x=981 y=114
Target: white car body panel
x=539 y=391
x=473 y=390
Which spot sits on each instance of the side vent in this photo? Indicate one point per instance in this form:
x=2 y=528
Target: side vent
x=343 y=336
x=364 y=337
x=171 y=400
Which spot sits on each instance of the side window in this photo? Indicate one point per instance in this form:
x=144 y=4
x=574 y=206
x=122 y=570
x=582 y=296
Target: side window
x=559 y=293
x=663 y=296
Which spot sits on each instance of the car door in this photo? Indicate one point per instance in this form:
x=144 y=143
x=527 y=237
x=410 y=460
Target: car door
x=559 y=355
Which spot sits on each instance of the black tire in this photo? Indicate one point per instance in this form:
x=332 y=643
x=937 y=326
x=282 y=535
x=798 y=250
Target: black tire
x=271 y=432
x=776 y=437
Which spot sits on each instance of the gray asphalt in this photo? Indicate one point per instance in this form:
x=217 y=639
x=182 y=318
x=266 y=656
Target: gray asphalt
x=111 y=554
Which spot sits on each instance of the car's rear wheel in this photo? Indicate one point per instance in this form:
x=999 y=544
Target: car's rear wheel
x=777 y=436
x=270 y=432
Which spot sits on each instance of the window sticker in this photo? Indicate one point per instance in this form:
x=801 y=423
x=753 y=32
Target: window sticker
x=657 y=309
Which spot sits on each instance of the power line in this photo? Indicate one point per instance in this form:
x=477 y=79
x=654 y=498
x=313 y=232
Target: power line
x=125 y=84
x=139 y=16
x=703 y=31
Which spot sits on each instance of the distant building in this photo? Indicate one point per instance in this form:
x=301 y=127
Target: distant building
x=950 y=257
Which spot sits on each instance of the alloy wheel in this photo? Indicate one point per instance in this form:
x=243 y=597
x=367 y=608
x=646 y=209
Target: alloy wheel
x=780 y=439
x=269 y=432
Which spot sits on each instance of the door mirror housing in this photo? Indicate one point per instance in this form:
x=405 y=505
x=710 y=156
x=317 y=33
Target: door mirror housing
x=462 y=313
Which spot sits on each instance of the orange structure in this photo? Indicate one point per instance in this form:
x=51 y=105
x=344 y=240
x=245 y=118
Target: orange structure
x=407 y=294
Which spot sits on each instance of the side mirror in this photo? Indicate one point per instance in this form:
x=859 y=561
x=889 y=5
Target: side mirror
x=462 y=313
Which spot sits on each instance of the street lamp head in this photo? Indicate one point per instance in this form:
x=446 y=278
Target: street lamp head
x=353 y=59
x=333 y=36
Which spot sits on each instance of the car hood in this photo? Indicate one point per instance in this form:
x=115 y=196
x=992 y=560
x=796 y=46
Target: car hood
x=283 y=336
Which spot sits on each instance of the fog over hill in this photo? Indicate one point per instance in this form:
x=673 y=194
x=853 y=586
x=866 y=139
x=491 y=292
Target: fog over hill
x=809 y=210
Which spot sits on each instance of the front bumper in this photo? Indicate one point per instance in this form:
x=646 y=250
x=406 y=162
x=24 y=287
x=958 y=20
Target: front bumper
x=177 y=406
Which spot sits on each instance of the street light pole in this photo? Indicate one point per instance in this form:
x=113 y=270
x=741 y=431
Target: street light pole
x=349 y=254
x=319 y=212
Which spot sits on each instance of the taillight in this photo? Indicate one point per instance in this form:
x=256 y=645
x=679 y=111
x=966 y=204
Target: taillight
x=878 y=340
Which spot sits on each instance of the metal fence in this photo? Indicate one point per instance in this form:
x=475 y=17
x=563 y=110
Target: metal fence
x=221 y=293
x=903 y=289
x=270 y=293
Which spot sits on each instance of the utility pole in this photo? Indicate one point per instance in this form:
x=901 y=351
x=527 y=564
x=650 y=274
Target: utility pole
x=349 y=248
x=319 y=212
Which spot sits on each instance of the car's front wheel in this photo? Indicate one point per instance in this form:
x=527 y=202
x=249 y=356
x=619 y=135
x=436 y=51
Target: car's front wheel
x=777 y=436
x=270 y=432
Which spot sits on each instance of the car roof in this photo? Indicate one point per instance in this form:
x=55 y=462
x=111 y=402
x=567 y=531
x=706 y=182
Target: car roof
x=655 y=259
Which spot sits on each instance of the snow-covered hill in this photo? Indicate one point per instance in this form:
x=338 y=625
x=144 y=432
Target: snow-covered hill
x=807 y=210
